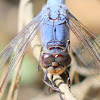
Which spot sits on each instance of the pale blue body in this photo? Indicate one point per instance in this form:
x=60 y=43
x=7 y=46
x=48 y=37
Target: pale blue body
x=55 y=31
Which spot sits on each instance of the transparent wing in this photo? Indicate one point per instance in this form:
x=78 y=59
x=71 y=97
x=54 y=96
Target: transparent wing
x=6 y=52
x=88 y=46
x=22 y=40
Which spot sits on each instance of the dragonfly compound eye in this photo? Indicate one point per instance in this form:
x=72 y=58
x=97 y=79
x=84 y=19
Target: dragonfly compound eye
x=47 y=58
x=63 y=59
x=68 y=60
x=59 y=58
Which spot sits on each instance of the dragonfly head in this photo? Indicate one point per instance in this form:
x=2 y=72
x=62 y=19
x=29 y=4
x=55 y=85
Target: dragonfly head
x=55 y=63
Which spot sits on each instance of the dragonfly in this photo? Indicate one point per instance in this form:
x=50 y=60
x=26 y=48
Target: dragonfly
x=55 y=22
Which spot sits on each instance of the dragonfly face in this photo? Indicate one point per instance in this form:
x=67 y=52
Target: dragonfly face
x=55 y=63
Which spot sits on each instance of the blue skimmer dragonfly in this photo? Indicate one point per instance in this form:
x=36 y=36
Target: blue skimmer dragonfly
x=55 y=22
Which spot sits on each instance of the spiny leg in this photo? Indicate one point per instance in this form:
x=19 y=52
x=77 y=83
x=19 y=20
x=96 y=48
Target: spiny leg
x=60 y=96
x=68 y=45
x=68 y=77
x=67 y=70
x=54 y=85
x=52 y=82
x=50 y=85
x=68 y=81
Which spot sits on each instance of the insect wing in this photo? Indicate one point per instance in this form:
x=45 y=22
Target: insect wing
x=23 y=40
x=88 y=48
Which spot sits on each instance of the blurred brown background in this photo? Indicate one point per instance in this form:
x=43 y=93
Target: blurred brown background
x=86 y=11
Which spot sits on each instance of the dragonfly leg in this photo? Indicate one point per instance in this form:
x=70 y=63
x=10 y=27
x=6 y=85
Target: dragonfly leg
x=68 y=77
x=68 y=45
x=61 y=96
x=49 y=89
x=52 y=82
x=65 y=76
x=50 y=85
x=68 y=80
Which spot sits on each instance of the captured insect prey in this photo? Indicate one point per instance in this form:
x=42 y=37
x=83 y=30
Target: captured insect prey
x=55 y=22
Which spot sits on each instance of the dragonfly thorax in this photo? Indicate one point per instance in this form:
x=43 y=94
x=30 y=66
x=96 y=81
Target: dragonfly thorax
x=54 y=34
x=55 y=10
